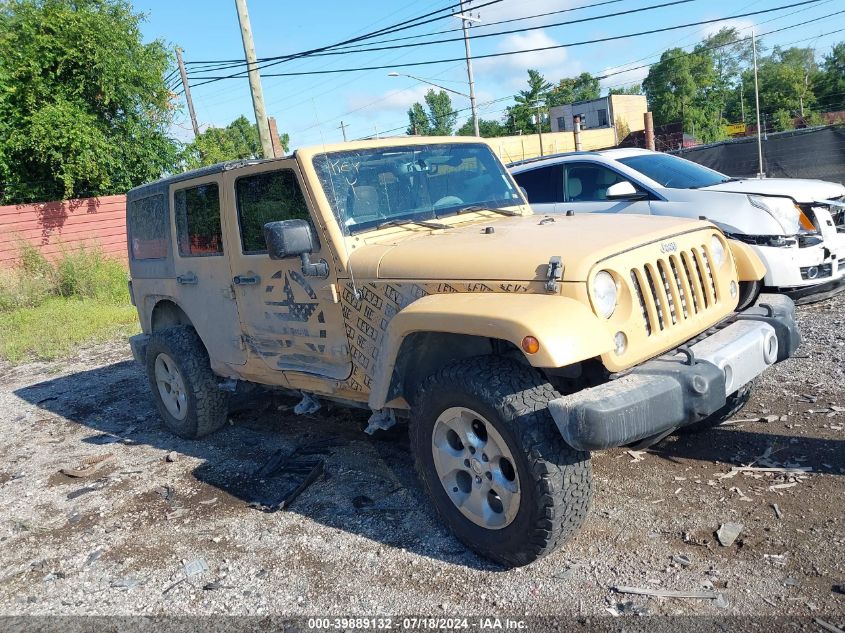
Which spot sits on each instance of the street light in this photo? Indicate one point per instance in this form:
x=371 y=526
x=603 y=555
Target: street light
x=431 y=83
x=539 y=115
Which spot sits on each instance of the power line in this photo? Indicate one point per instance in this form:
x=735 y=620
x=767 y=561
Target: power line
x=530 y=50
x=348 y=50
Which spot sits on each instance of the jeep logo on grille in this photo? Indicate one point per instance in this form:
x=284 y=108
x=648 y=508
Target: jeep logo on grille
x=668 y=247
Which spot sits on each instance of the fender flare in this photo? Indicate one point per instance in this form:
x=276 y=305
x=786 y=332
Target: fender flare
x=749 y=266
x=568 y=330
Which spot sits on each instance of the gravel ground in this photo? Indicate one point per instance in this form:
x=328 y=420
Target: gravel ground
x=362 y=540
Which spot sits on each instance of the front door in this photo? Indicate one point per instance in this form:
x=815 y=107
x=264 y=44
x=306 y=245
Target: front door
x=585 y=191
x=293 y=322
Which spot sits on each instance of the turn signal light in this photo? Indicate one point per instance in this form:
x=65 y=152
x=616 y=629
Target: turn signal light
x=530 y=345
x=805 y=222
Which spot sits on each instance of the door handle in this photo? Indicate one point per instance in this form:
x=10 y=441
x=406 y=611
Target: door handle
x=188 y=279
x=246 y=280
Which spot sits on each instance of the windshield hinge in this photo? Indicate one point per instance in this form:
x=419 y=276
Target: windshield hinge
x=554 y=274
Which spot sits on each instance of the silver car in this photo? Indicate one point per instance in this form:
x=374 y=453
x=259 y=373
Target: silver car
x=796 y=226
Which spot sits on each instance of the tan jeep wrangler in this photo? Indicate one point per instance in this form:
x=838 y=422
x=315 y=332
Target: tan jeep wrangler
x=409 y=276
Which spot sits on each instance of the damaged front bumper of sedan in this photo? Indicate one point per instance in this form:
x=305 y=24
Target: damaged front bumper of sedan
x=683 y=386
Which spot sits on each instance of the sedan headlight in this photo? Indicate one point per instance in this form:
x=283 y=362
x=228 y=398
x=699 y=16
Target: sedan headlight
x=605 y=293
x=791 y=218
x=718 y=251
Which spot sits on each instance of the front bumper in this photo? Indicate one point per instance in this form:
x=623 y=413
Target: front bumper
x=818 y=292
x=681 y=387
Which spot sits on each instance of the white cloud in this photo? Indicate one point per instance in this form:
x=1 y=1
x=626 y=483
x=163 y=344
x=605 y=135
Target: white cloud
x=518 y=9
x=510 y=71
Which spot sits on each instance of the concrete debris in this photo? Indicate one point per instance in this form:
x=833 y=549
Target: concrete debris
x=88 y=466
x=172 y=456
x=637 y=456
x=308 y=404
x=794 y=470
x=195 y=567
x=790 y=581
x=682 y=560
x=728 y=532
x=125 y=583
x=783 y=486
x=827 y=626
x=667 y=593
x=777 y=510
x=380 y=421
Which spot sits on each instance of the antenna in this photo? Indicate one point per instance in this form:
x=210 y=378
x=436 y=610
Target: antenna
x=355 y=290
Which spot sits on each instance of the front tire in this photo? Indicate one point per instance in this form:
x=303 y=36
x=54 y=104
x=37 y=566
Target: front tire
x=183 y=385
x=493 y=462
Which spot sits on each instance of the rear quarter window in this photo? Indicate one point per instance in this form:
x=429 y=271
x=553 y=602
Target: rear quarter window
x=146 y=220
x=198 y=221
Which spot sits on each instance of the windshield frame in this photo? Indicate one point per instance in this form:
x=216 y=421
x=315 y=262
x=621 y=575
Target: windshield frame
x=492 y=165
x=634 y=162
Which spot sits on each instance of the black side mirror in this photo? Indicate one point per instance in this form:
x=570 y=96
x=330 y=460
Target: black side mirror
x=289 y=238
x=295 y=238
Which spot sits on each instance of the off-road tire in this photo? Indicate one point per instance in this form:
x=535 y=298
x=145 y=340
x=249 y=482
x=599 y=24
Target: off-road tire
x=207 y=404
x=733 y=405
x=555 y=479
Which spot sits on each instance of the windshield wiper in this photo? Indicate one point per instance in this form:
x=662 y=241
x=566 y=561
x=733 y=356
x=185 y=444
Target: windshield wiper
x=478 y=207
x=425 y=223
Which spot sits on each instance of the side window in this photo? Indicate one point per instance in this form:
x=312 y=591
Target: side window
x=198 y=221
x=267 y=197
x=147 y=223
x=587 y=182
x=602 y=118
x=542 y=185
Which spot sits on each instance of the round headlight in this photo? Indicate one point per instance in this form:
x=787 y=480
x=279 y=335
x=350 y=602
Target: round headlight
x=605 y=293
x=718 y=251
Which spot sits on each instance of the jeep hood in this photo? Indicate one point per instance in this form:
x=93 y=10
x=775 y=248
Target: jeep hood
x=517 y=249
x=799 y=189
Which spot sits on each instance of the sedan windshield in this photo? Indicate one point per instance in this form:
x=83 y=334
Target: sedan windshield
x=371 y=187
x=673 y=172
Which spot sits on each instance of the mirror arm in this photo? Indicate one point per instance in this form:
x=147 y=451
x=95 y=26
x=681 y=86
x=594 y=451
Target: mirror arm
x=309 y=269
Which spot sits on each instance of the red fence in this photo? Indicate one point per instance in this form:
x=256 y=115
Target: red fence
x=55 y=226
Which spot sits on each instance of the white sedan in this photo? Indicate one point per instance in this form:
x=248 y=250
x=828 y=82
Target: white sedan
x=796 y=226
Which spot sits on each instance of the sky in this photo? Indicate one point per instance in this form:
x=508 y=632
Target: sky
x=310 y=108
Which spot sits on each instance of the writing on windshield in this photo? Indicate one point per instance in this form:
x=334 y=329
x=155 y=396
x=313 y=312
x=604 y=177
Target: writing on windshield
x=367 y=188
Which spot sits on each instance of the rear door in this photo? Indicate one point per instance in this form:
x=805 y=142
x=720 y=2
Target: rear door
x=543 y=186
x=293 y=322
x=585 y=190
x=203 y=282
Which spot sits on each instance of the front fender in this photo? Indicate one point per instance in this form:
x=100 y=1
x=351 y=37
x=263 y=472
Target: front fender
x=749 y=266
x=567 y=330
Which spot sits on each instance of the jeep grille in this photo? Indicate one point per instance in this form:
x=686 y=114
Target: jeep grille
x=675 y=288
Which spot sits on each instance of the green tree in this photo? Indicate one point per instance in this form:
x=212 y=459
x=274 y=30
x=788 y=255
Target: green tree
x=571 y=89
x=436 y=118
x=786 y=81
x=680 y=89
x=830 y=80
x=238 y=140
x=521 y=114
x=84 y=109
x=635 y=89
x=487 y=129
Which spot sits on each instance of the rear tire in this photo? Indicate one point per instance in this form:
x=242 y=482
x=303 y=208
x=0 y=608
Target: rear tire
x=734 y=404
x=533 y=490
x=184 y=387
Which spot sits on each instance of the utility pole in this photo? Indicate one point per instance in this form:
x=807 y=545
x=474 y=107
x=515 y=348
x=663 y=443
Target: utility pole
x=254 y=81
x=538 y=105
x=343 y=127
x=465 y=20
x=742 y=100
x=187 y=89
x=761 y=173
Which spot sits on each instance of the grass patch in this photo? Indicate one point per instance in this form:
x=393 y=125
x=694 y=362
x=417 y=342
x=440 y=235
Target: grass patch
x=58 y=326
x=47 y=309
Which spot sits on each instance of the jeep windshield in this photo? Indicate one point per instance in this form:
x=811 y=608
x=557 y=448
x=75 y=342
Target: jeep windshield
x=673 y=172
x=380 y=187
